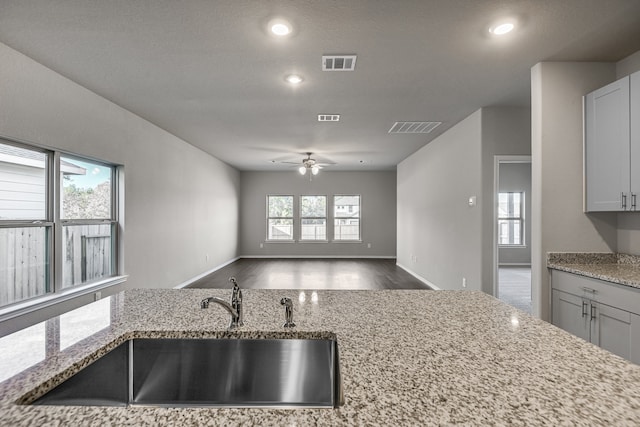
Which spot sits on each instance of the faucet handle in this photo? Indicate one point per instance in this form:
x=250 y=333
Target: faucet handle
x=288 y=312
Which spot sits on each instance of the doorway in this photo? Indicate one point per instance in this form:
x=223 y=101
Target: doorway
x=512 y=231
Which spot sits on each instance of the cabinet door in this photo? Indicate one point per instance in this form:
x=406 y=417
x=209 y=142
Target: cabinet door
x=607 y=164
x=570 y=313
x=635 y=138
x=611 y=329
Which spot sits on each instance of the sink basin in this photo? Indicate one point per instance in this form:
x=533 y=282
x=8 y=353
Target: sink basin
x=282 y=373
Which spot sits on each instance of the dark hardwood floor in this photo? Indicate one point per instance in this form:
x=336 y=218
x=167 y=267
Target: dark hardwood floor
x=313 y=274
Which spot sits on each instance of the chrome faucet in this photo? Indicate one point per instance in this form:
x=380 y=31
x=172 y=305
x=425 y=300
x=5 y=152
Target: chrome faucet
x=234 y=309
x=288 y=312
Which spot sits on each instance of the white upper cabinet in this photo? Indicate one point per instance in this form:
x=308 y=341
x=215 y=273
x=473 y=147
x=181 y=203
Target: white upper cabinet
x=607 y=148
x=635 y=140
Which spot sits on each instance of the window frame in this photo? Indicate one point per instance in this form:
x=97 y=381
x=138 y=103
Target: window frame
x=53 y=224
x=292 y=218
x=336 y=217
x=519 y=219
x=325 y=217
x=71 y=222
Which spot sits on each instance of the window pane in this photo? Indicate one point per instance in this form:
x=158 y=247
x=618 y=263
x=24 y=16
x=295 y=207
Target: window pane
x=516 y=205
x=24 y=260
x=86 y=253
x=281 y=206
x=346 y=229
x=503 y=205
x=313 y=206
x=510 y=232
x=314 y=229
x=280 y=229
x=346 y=206
x=23 y=184
x=86 y=190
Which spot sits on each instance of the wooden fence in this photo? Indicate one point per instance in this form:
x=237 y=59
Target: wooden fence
x=23 y=259
x=22 y=263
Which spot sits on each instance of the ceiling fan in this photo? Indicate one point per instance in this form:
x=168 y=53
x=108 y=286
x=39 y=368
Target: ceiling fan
x=310 y=165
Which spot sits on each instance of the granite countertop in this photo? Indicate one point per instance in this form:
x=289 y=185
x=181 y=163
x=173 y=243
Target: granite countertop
x=407 y=358
x=617 y=268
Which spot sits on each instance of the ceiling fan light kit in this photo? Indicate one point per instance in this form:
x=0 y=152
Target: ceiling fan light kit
x=310 y=165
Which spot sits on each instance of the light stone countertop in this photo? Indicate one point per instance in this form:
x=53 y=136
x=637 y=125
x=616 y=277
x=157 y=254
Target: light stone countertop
x=617 y=268
x=413 y=357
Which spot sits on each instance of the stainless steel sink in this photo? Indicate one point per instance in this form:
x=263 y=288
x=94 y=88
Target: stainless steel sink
x=284 y=373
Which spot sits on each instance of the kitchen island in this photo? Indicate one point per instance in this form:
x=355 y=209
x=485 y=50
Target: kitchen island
x=406 y=358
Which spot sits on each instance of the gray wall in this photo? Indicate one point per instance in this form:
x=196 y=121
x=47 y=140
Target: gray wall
x=516 y=177
x=559 y=223
x=628 y=65
x=505 y=132
x=378 y=218
x=440 y=237
x=181 y=204
x=439 y=234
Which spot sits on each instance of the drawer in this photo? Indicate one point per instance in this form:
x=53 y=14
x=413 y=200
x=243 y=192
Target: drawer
x=613 y=294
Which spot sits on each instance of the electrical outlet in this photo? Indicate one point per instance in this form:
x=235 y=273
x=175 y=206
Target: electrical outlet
x=261 y=245
x=369 y=245
x=97 y=296
x=464 y=282
x=206 y=257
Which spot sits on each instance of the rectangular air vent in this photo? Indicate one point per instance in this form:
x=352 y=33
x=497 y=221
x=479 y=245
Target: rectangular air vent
x=338 y=62
x=414 y=127
x=328 y=117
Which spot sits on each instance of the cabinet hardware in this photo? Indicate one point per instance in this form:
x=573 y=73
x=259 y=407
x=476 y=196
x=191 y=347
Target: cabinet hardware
x=591 y=291
x=584 y=308
x=633 y=202
x=593 y=312
x=624 y=201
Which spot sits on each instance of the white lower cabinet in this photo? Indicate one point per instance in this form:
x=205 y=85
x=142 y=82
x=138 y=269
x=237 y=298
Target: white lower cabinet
x=597 y=311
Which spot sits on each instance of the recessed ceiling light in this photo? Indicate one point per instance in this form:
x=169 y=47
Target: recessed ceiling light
x=294 y=79
x=502 y=28
x=279 y=27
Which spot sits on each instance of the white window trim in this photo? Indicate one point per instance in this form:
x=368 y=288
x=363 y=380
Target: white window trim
x=326 y=219
x=57 y=294
x=292 y=218
x=38 y=303
x=521 y=218
x=359 y=239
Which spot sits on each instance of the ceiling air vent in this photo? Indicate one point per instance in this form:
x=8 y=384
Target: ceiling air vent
x=338 y=62
x=414 y=127
x=328 y=117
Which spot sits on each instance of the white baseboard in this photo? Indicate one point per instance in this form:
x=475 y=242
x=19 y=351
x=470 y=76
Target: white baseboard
x=320 y=256
x=206 y=273
x=514 y=264
x=417 y=276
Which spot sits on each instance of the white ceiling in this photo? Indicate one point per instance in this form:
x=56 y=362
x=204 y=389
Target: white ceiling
x=208 y=72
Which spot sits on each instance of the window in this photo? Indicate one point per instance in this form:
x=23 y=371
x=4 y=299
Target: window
x=88 y=220
x=346 y=217
x=313 y=218
x=511 y=219
x=280 y=218
x=82 y=234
